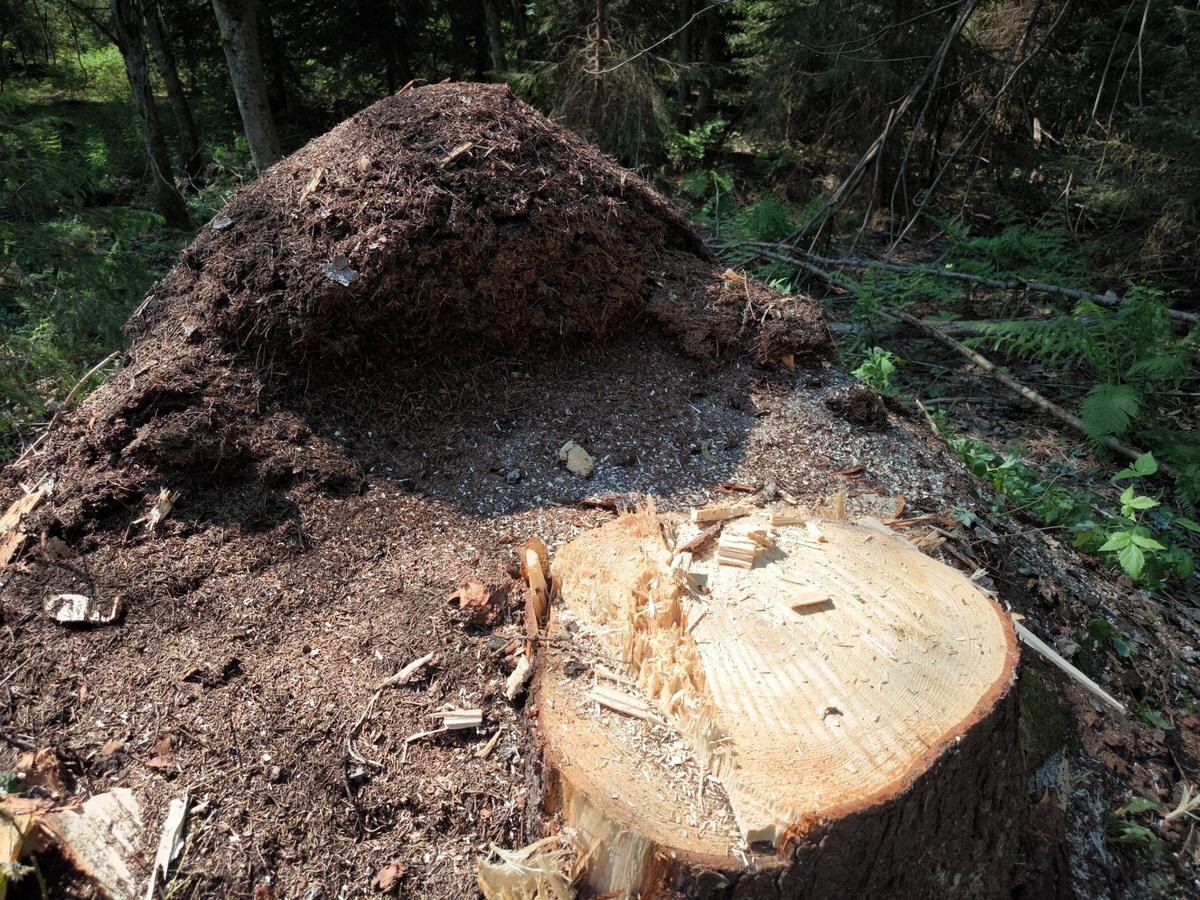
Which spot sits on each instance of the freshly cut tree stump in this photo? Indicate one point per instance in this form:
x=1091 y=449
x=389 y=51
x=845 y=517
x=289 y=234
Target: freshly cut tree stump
x=815 y=709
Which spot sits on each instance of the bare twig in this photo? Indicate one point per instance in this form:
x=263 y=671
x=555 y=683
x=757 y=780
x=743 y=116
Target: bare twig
x=850 y=181
x=402 y=677
x=1049 y=653
x=662 y=40
x=776 y=251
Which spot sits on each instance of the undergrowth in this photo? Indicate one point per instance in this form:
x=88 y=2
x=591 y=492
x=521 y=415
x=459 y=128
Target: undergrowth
x=78 y=246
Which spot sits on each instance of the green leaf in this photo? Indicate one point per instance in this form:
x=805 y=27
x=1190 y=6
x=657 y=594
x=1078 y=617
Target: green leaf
x=1154 y=718
x=1109 y=409
x=1121 y=645
x=1100 y=630
x=1142 y=466
x=1147 y=543
x=1187 y=523
x=1117 y=541
x=1138 y=805
x=1143 y=503
x=1139 y=836
x=1132 y=560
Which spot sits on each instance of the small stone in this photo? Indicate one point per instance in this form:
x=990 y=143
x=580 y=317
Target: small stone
x=578 y=460
x=512 y=476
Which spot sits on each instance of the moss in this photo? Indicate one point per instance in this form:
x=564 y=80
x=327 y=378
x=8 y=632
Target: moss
x=1044 y=725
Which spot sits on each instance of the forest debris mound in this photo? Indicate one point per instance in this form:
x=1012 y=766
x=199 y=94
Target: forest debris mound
x=385 y=270
x=476 y=225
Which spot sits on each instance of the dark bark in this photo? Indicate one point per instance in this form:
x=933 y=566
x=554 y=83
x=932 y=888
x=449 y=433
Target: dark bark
x=520 y=26
x=491 y=15
x=393 y=45
x=282 y=84
x=710 y=43
x=189 y=138
x=238 y=21
x=684 y=42
x=130 y=40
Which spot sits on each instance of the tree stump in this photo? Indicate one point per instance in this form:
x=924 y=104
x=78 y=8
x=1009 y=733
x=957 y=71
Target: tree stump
x=812 y=709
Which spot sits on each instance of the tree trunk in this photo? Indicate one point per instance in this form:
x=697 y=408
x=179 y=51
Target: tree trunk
x=491 y=15
x=393 y=46
x=274 y=55
x=709 y=48
x=520 y=26
x=189 y=139
x=238 y=22
x=127 y=22
x=851 y=696
x=684 y=83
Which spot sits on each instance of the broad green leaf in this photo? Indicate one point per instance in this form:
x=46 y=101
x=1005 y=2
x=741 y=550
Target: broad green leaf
x=1145 y=464
x=1124 y=650
x=1190 y=525
x=1132 y=560
x=1143 y=503
x=1147 y=543
x=1118 y=541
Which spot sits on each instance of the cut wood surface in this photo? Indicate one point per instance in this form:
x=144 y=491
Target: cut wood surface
x=815 y=685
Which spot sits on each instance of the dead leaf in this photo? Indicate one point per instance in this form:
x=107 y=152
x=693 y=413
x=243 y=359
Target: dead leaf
x=389 y=877
x=480 y=604
x=164 y=753
x=43 y=769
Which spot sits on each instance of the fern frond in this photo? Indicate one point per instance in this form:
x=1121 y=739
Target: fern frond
x=1109 y=409
x=1160 y=369
x=1062 y=341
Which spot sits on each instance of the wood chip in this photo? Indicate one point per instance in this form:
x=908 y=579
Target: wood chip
x=455 y=154
x=720 y=512
x=170 y=842
x=535 y=569
x=486 y=750
x=312 y=185
x=789 y=515
x=12 y=535
x=519 y=678
x=621 y=702
x=166 y=502
x=701 y=541
x=459 y=719
x=578 y=461
x=76 y=609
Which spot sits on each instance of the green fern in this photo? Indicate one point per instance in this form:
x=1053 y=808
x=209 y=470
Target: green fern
x=1110 y=410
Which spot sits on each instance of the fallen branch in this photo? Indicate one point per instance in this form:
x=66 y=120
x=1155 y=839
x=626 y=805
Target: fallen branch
x=1049 y=653
x=1109 y=299
x=1028 y=393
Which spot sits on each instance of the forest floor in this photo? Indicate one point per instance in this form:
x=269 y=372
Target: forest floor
x=262 y=614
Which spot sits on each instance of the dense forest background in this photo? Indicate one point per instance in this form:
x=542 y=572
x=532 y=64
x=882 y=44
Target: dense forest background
x=1016 y=178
